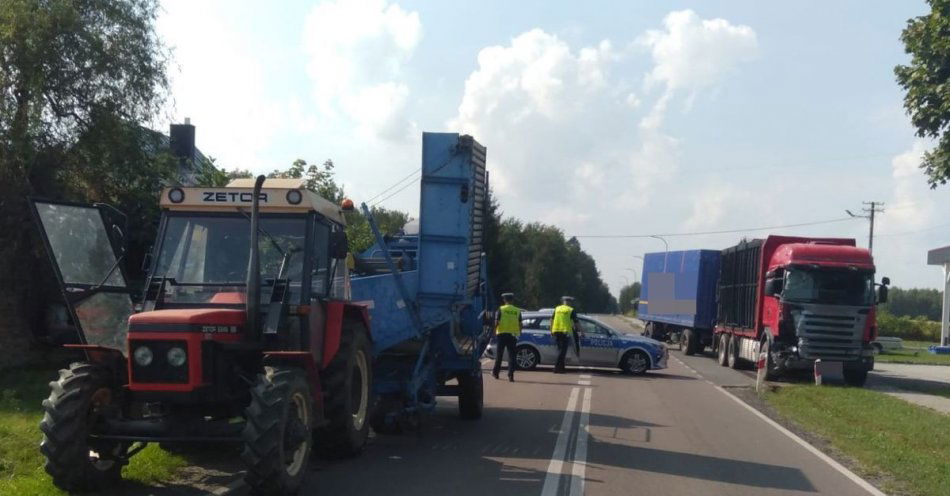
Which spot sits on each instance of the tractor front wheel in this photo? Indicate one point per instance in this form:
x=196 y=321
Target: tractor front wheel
x=347 y=387
x=277 y=431
x=75 y=404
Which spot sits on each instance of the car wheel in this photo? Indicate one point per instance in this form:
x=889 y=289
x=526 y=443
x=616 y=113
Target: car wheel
x=723 y=349
x=527 y=358
x=635 y=362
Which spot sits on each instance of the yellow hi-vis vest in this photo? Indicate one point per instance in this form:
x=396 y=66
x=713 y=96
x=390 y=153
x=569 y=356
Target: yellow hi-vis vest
x=562 y=319
x=509 y=316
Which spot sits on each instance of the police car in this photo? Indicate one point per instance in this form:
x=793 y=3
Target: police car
x=601 y=346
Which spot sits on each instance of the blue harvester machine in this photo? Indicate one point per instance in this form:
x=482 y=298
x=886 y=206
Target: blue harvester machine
x=427 y=292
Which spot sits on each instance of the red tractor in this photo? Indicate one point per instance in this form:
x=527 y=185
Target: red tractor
x=244 y=335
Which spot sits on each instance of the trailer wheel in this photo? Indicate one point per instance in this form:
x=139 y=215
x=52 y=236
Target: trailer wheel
x=471 y=395
x=276 y=433
x=347 y=388
x=73 y=460
x=635 y=362
x=691 y=342
x=722 y=349
x=855 y=377
x=732 y=354
x=527 y=358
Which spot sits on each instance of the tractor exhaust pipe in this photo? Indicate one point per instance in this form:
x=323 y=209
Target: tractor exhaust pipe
x=254 y=267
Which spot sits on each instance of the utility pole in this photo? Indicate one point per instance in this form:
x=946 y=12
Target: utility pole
x=871 y=208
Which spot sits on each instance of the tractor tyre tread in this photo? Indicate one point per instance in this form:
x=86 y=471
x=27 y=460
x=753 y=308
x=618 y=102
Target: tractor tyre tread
x=264 y=431
x=339 y=438
x=65 y=444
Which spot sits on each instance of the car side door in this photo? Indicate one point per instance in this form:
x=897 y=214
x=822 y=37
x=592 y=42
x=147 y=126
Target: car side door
x=597 y=344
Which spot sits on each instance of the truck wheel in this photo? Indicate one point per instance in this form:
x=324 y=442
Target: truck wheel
x=635 y=362
x=73 y=460
x=772 y=369
x=691 y=342
x=385 y=406
x=732 y=354
x=527 y=358
x=855 y=376
x=347 y=388
x=722 y=349
x=471 y=395
x=277 y=442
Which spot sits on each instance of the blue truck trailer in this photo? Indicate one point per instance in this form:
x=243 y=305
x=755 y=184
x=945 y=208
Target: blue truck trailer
x=678 y=297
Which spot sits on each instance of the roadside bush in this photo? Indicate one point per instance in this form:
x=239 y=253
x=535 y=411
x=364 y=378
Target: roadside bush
x=904 y=327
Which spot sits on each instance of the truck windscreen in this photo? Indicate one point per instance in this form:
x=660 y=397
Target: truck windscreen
x=207 y=256
x=829 y=286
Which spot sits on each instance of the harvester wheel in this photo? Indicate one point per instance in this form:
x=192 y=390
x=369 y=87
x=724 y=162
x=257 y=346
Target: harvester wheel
x=277 y=440
x=471 y=395
x=75 y=404
x=347 y=388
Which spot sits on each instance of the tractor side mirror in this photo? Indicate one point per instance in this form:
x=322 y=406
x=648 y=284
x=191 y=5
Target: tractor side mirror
x=773 y=286
x=338 y=244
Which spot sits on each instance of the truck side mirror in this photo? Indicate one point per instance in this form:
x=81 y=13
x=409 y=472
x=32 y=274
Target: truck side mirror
x=882 y=293
x=338 y=244
x=885 y=281
x=773 y=286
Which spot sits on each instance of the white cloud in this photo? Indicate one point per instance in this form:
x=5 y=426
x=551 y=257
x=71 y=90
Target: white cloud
x=693 y=53
x=220 y=85
x=357 y=53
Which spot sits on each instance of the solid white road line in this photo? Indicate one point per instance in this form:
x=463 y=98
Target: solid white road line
x=815 y=451
x=583 y=383
x=553 y=477
x=794 y=437
x=580 y=448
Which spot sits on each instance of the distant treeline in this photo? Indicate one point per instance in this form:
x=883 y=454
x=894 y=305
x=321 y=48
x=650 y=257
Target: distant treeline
x=914 y=302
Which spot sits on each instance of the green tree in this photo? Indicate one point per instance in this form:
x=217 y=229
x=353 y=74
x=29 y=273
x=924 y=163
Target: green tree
x=915 y=302
x=70 y=71
x=927 y=83
x=629 y=294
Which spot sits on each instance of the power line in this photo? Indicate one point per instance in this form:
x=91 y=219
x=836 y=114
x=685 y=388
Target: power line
x=702 y=233
x=931 y=228
x=397 y=183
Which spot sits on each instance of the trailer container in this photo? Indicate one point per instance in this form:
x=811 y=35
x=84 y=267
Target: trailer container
x=678 y=297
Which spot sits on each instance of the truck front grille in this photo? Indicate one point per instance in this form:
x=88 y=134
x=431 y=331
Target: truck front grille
x=830 y=332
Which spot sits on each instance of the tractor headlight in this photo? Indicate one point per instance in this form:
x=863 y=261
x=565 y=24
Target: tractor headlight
x=176 y=357
x=143 y=356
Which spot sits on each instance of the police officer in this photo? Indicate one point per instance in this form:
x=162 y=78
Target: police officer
x=563 y=327
x=507 y=331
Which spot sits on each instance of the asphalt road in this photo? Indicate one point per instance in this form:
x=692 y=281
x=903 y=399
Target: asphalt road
x=592 y=432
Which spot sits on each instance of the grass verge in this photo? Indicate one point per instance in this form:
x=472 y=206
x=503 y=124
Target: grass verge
x=21 y=465
x=909 y=443
x=913 y=356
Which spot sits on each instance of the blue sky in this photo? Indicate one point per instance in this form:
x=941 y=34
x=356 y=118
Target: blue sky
x=600 y=117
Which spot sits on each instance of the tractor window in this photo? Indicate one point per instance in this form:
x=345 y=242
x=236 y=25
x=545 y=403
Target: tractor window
x=321 y=259
x=207 y=256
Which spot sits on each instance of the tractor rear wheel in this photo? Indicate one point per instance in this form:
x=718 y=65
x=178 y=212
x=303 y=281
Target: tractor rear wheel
x=347 y=387
x=75 y=404
x=471 y=395
x=277 y=434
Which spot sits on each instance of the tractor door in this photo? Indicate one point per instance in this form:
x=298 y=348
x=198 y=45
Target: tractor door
x=87 y=253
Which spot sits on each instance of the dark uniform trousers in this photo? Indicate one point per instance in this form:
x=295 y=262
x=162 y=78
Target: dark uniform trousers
x=563 y=341
x=505 y=341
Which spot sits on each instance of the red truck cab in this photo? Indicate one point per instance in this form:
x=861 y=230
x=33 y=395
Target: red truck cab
x=799 y=299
